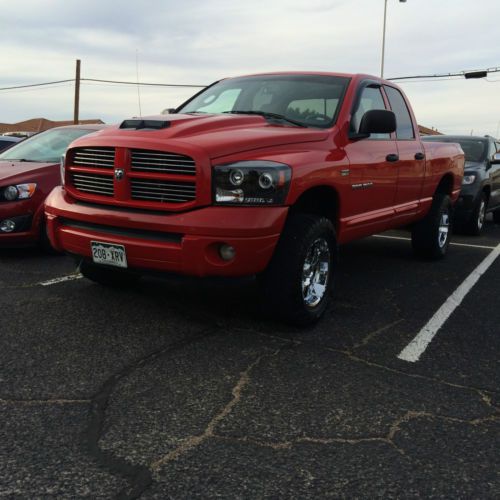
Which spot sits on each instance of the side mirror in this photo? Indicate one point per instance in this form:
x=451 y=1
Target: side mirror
x=496 y=159
x=168 y=111
x=377 y=121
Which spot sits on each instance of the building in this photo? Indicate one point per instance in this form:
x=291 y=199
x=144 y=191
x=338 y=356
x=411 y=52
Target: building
x=428 y=131
x=39 y=125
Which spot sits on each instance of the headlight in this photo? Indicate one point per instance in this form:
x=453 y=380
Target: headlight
x=251 y=183
x=61 y=168
x=468 y=179
x=18 y=192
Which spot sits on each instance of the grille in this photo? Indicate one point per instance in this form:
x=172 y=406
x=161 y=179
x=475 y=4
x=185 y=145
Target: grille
x=94 y=157
x=157 y=161
x=163 y=191
x=93 y=183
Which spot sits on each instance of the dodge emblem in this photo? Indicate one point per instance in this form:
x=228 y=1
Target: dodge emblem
x=119 y=174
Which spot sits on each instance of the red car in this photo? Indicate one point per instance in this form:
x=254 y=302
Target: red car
x=28 y=173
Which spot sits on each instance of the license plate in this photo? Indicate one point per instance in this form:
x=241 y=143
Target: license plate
x=108 y=253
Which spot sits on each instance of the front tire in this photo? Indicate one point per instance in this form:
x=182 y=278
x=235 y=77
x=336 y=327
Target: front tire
x=297 y=283
x=475 y=224
x=107 y=276
x=430 y=237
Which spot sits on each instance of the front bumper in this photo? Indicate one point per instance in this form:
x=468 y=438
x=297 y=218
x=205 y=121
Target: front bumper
x=24 y=212
x=184 y=243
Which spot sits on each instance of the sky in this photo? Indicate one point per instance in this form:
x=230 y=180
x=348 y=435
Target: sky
x=198 y=42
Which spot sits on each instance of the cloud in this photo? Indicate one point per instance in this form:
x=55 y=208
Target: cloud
x=199 y=42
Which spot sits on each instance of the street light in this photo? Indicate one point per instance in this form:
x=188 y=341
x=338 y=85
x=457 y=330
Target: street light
x=383 y=37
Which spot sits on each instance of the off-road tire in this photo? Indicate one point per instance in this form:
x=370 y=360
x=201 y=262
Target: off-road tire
x=282 y=283
x=427 y=234
x=107 y=276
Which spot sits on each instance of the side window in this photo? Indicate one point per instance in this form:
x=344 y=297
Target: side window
x=404 y=128
x=497 y=144
x=371 y=98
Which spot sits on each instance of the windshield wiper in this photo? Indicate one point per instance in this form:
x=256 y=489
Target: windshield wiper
x=266 y=114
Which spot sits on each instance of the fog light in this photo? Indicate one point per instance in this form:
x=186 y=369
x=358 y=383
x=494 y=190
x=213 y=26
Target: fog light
x=7 y=226
x=227 y=252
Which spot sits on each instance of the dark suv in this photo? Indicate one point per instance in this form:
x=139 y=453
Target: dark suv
x=480 y=191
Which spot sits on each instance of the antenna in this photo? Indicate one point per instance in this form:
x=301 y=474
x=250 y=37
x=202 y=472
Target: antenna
x=137 y=74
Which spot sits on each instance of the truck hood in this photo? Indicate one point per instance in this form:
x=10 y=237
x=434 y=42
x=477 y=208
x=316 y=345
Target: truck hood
x=11 y=170
x=217 y=135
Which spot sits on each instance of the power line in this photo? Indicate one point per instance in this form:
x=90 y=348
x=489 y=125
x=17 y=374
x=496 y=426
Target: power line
x=144 y=83
x=37 y=84
x=174 y=85
x=465 y=74
x=434 y=77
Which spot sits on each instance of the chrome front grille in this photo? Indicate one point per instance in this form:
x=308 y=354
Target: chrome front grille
x=95 y=157
x=144 y=160
x=93 y=183
x=163 y=191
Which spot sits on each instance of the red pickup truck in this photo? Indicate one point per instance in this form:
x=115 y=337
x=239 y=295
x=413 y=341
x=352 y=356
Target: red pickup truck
x=258 y=175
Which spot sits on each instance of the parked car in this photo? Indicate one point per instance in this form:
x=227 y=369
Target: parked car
x=480 y=191
x=28 y=172
x=7 y=141
x=258 y=175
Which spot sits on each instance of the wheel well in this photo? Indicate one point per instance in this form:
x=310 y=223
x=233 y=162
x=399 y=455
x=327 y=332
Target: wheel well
x=487 y=192
x=321 y=200
x=445 y=185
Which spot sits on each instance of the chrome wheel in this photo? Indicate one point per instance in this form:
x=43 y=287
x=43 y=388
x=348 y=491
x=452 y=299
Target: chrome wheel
x=481 y=215
x=316 y=272
x=444 y=228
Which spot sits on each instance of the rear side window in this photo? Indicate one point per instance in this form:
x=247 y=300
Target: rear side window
x=404 y=128
x=371 y=98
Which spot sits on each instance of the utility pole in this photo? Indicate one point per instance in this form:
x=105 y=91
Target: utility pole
x=77 y=93
x=383 y=37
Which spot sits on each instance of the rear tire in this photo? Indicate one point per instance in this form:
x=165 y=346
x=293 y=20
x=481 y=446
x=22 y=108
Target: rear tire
x=107 y=276
x=297 y=283
x=431 y=236
x=475 y=224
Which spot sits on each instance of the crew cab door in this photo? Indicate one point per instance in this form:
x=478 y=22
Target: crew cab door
x=373 y=166
x=411 y=163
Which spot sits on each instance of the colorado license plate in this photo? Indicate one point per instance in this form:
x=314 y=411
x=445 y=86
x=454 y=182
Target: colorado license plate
x=108 y=253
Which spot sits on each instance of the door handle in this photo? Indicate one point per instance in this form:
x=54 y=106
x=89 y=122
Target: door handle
x=419 y=156
x=392 y=157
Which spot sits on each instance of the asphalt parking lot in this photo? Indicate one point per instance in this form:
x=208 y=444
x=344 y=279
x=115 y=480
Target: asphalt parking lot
x=179 y=389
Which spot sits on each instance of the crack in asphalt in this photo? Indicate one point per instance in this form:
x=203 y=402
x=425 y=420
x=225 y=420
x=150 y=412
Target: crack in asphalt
x=138 y=476
x=388 y=439
x=366 y=340
x=35 y=402
x=194 y=441
x=484 y=394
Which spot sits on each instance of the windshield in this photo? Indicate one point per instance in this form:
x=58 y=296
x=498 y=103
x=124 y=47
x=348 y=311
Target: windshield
x=309 y=100
x=475 y=149
x=44 y=147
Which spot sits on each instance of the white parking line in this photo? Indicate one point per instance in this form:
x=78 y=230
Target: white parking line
x=451 y=243
x=418 y=345
x=69 y=277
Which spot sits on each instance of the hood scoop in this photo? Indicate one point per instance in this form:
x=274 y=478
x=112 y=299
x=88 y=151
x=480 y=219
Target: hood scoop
x=144 y=124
